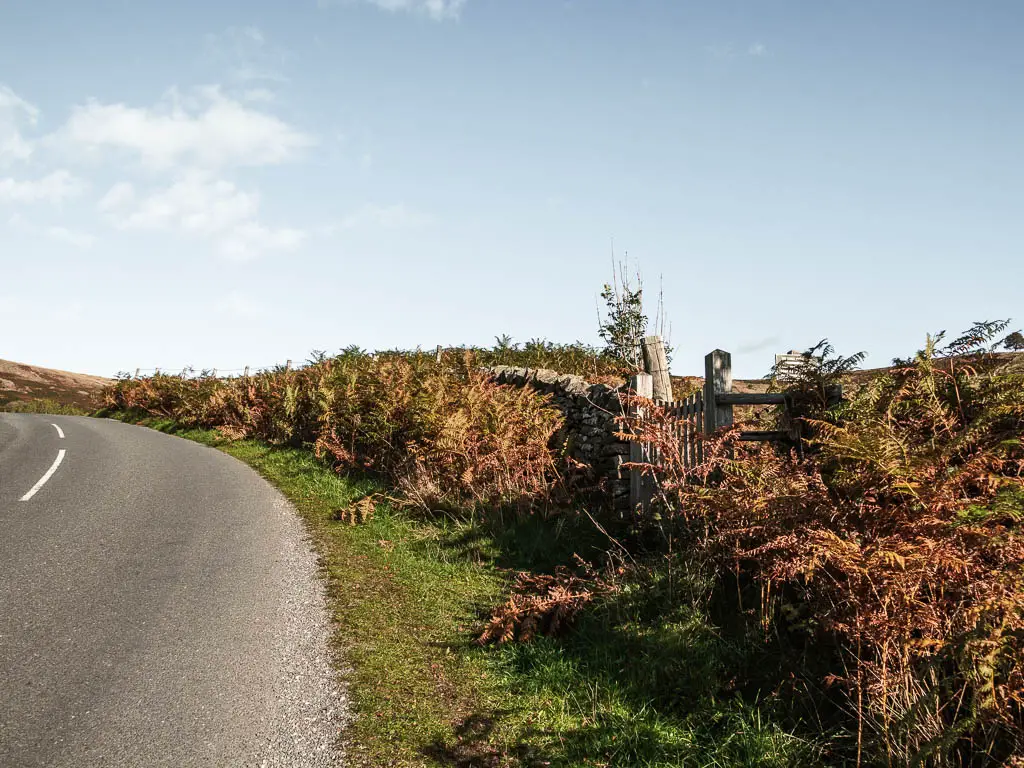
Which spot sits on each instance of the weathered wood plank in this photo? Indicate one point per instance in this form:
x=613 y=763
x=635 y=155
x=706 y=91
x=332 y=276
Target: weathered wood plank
x=698 y=399
x=641 y=486
x=656 y=364
x=717 y=381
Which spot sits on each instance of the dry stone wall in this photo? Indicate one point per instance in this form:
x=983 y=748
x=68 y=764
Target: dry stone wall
x=590 y=411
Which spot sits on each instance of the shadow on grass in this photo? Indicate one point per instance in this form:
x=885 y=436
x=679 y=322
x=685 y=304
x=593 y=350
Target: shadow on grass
x=645 y=678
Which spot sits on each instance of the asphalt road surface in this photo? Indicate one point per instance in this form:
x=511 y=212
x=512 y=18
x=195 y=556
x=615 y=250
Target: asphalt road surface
x=159 y=606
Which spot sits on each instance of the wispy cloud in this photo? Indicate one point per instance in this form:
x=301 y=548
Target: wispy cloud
x=70 y=237
x=734 y=51
x=200 y=205
x=249 y=239
x=259 y=96
x=399 y=216
x=438 y=10
x=206 y=128
x=758 y=345
x=245 y=54
x=14 y=113
x=59 y=234
x=54 y=188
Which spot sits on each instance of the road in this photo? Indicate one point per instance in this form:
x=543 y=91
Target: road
x=159 y=606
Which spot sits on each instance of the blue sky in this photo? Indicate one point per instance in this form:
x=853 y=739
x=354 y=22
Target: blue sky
x=238 y=183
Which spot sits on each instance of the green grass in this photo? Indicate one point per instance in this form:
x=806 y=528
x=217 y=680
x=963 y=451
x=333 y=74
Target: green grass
x=646 y=679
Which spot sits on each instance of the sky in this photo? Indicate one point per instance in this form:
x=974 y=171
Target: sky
x=239 y=183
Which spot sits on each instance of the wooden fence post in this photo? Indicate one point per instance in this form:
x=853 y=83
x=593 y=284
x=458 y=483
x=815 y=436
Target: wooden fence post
x=717 y=381
x=656 y=364
x=641 y=486
x=288 y=365
x=246 y=374
x=439 y=353
x=136 y=373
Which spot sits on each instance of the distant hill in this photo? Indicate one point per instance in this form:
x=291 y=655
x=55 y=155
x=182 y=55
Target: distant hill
x=21 y=383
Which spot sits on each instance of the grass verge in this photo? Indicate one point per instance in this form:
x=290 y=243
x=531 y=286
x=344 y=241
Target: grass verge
x=645 y=680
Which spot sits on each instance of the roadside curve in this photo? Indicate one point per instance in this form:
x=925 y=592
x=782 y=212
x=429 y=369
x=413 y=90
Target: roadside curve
x=161 y=607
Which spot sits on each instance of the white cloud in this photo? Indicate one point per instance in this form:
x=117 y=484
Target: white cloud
x=194 y=203
x=438 y=10
x=201 y=206
x=14 y=112
x=71 y=237
x=757 y=49
x=399 y=216
x=54 y=188
x=210 y=130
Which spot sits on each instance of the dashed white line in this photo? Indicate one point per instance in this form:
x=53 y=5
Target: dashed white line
x=47 y=476
x=60 y=432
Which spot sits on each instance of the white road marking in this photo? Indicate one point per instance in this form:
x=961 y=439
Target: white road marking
x=59 y=431
x=47 y=476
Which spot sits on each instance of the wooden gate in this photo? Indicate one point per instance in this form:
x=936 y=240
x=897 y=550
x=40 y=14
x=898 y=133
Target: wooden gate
x=703 y=413
x=688 y=426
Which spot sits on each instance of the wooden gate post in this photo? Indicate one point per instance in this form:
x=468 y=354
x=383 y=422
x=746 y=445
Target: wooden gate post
x=717 y=381
x=641 y=486
x=656 y=364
